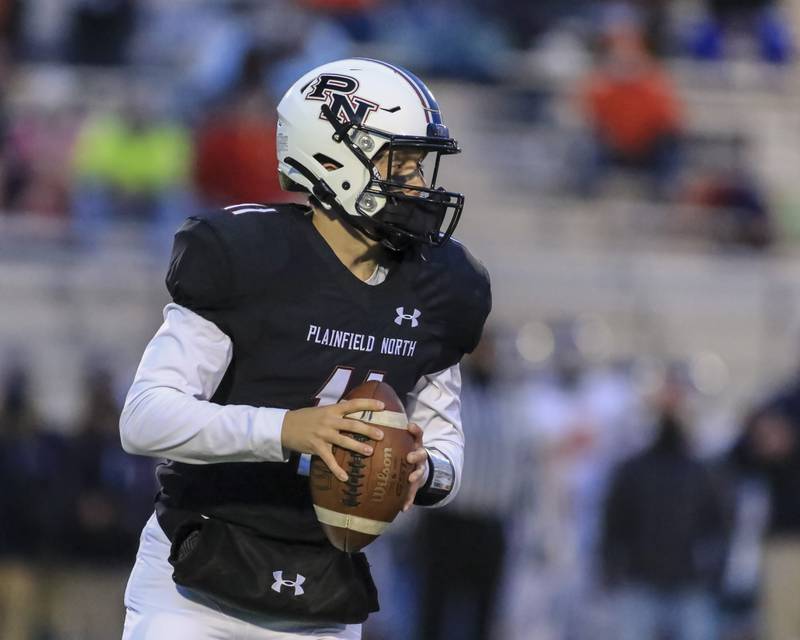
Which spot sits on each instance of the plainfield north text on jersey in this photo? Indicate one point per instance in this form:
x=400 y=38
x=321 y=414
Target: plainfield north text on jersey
x=339 y=339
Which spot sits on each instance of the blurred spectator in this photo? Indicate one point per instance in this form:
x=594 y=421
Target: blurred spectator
x=759 y=19
x=5 y=145
x=39 y=141
x=770 y=448
x=581 y=420
x=664 y=532
x=32 y=504
x=107 y=483
x=466 y=541
x=739 y=212
x=235 y=153
x=100 y=31
x=134 y=166
x=734 y=207
x=11 y=26
x=111 y=493
x=634 y=114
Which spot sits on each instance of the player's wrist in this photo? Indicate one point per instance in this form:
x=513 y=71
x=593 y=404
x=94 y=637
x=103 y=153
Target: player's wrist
x=290 y=433
x=439 y=482
x=427 y=473
x=286 y=429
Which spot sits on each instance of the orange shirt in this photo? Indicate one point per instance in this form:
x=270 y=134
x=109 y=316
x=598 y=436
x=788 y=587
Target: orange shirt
x=632 y=113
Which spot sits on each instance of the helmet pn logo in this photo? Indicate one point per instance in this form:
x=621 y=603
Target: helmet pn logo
x=294 y=584
x=337 y=90
x=402 y=315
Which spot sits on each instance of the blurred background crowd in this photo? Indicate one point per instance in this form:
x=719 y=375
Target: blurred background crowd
x=632 y=172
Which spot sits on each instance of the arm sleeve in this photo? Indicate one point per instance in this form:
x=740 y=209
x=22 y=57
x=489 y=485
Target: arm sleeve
x=435 y=405
x=167 y=412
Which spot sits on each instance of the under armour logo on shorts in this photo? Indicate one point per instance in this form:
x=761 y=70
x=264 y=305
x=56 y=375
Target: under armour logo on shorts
x=402 y=315
x=280 y=583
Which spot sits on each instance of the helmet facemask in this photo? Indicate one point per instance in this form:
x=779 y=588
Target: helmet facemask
x=391 y=211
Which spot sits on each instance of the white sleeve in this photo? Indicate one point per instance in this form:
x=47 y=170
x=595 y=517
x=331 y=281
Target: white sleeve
x=167 y=413
x=435 y=405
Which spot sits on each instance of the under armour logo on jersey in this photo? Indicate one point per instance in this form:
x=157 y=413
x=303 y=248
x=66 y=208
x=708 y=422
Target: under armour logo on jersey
x=402 y=315
x=280 y=583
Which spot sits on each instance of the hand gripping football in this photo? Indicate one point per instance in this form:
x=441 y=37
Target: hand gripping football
x=356 y=512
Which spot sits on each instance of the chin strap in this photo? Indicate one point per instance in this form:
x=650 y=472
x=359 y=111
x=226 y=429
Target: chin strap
x=322 y=191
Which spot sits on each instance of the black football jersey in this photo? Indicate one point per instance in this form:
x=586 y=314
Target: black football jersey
x=305 y=331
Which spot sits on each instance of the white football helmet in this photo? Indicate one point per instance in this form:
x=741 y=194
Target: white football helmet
x=343 y=113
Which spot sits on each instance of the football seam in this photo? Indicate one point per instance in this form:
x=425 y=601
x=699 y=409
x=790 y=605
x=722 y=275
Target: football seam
x=352 y=488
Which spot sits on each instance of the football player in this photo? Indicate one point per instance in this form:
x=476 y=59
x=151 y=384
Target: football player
x=279 y=310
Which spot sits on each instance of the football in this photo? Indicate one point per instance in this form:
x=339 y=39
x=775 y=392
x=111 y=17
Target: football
x=356 y=512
